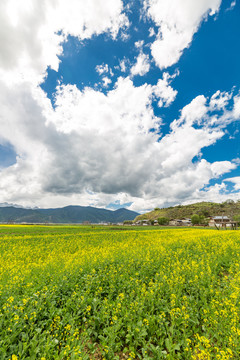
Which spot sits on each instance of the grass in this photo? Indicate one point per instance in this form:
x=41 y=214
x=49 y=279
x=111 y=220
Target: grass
x=78 y=292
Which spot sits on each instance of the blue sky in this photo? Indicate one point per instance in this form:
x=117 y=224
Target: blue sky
x=137 y=106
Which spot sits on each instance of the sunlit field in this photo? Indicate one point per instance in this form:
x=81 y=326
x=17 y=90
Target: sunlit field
x=76 y=292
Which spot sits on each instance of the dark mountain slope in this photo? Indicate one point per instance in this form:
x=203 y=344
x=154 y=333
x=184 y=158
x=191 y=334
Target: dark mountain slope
x=68 y=214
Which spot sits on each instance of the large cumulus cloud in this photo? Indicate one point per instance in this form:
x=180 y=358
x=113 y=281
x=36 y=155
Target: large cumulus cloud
x=106 y=146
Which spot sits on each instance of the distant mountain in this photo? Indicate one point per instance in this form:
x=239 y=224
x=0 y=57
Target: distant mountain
x=68 y=214
x=229 y=208
x=5 y=204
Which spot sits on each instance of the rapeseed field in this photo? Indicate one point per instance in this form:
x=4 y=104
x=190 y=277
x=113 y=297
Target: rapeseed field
x=71 y=292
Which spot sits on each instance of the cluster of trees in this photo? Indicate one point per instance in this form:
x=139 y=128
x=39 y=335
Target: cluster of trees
x=195 y=219
x=199 y=220
x=163 y=220
x=237 y=218
x=128 y=222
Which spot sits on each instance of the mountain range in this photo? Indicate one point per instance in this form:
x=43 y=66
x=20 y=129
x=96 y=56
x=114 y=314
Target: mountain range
x=68 y=214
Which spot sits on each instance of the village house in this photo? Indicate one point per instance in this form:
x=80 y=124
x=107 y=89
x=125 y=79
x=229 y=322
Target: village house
x=186 y=222
x=180 y=222
x=222 y=222
x=174 y=222
x=142 y=222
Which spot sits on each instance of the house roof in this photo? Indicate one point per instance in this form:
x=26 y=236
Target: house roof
x=220 y=218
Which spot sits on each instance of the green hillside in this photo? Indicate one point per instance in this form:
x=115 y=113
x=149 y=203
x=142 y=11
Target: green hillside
x=228 y=208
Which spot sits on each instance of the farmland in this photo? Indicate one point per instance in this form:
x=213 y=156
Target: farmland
x=78 y=292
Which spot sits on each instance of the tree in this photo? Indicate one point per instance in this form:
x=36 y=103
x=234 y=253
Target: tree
x=163 y=220
x=128 y=222
x=205 y=213
x=195 y=219
x=229 y=201
x=237 y=218
x=203 y=220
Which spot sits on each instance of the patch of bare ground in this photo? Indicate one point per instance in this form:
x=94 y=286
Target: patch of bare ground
x=97 y=353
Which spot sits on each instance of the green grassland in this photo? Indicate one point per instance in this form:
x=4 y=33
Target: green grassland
x=84 y=292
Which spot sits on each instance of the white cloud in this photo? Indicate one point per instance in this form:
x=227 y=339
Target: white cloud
x=220 y=100
x=124 y=64
x=164 y=91
x=193 y=113
x=104 y=69
x=101 y=69
x=236 y=109
x=139 y=44
x=212 y=113
x=215 y=193
x=234 y=180
x=151 y=32
x=177 y=21
x=32 y=32
x=232 y=5
x=142 y=65
x=126 y=107
x=106 y=81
